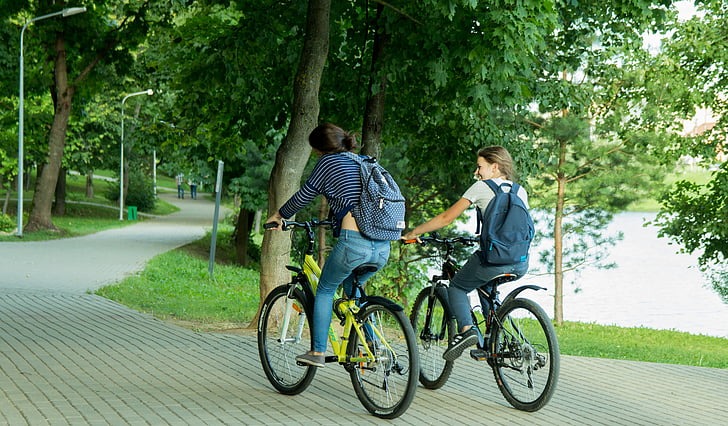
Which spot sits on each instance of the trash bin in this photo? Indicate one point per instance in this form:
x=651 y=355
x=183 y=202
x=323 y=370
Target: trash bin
x=131 y=213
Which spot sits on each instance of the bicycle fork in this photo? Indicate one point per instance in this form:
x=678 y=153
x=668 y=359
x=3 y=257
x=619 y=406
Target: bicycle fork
x=289 y=310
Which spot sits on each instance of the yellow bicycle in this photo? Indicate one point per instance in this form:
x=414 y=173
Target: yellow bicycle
x=370 y=336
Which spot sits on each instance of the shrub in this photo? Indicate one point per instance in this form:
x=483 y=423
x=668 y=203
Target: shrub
x=140 y=192
x=6 y=223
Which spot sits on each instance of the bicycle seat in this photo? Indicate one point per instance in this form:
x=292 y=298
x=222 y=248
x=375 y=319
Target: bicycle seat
x=502 y=279
x=365 y=268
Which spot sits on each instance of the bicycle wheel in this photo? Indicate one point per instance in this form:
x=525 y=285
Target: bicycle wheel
x=433 y=328
x=284 y=332
x=387 y=385
x=526 y=354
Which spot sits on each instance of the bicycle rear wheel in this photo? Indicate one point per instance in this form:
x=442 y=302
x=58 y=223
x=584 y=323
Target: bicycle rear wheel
x=433 y=328
x=386 y=385
x=526 y=354
x=284 y=332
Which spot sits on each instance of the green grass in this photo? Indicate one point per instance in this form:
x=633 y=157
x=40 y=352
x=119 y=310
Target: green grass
x=83 y=215
x=177 y=285
x=642 y=344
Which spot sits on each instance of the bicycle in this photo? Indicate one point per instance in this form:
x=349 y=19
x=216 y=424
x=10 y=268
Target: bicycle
x=371 y=337
x=517 y=338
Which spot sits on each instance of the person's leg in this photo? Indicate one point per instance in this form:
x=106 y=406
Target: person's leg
x=350 y=251
x=471 y=276
x=378 y=255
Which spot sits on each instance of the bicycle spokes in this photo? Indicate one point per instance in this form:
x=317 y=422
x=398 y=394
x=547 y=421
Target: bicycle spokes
x=385 y=383
x=525 y=355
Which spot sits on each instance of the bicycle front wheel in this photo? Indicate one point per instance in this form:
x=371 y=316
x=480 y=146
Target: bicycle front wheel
x=525 y=354
x=283 y=333
x=433 y=328
x=386 y=384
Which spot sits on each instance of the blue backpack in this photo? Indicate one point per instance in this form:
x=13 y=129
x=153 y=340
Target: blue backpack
x=506 y=227
x=380 y=212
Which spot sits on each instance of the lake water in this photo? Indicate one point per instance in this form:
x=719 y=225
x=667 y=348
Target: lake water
x=653 y=286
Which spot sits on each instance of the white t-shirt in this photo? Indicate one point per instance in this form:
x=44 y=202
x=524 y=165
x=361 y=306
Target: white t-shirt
x=480 y=193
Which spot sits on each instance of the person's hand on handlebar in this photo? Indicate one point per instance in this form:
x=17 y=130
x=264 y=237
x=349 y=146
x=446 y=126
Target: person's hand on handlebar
x=273 y=222
x=410 y=238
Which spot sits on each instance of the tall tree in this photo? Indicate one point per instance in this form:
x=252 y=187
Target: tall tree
x=294 y=151
x=694 y=72
x=75 y=47
x=589 y=95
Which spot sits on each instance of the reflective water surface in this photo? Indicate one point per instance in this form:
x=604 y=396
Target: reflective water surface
x=653 y=286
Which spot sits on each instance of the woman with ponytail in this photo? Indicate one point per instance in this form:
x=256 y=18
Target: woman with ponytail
x=336 y=176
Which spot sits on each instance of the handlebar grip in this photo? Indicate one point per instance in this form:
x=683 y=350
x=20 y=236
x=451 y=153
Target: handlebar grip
x=412 y=241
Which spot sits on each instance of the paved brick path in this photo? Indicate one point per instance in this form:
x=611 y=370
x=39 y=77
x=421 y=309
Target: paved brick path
x=67 y=357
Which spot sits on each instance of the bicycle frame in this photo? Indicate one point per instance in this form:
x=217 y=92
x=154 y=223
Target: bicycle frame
x=308 y=278
x=376 y=336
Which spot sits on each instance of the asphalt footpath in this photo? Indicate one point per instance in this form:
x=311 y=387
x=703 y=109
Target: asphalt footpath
x=68 y=357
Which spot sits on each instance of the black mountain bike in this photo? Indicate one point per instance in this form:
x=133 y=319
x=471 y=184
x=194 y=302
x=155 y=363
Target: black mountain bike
x=517 y=338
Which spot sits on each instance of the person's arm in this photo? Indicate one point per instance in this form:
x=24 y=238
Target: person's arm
x=443 y=219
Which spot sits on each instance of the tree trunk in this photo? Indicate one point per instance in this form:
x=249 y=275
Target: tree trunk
x=6 y=201
x=90 y=185
x=59 y=207
x=40 y=215
x=559 y=238
x=242 y=236
x=294 y=151
x=374 y=111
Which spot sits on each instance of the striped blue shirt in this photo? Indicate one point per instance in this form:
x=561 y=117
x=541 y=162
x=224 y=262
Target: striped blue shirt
x=336 y=176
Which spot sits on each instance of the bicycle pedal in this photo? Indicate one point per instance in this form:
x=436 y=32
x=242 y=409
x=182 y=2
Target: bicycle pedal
x=478 y=354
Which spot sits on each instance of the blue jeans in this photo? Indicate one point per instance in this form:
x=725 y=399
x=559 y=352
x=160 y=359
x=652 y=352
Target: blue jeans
x=471 y=276
x=350 y=251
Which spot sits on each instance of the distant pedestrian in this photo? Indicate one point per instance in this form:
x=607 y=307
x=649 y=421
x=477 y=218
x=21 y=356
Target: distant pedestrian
x=180 y=187
x=193 y=189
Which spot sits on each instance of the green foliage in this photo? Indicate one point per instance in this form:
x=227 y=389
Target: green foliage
x=140 y=192
x=695 y=216
x=7 y=224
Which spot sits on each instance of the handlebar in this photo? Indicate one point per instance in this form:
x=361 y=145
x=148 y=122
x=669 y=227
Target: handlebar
x=290 y=224
x=435 y=238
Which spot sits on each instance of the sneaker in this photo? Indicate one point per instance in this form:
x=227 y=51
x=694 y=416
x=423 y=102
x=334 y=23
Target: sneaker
x=459 y=343
x=311 y=359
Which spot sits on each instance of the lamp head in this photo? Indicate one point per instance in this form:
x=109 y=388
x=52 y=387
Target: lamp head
x=73 y=11
x=150 y=92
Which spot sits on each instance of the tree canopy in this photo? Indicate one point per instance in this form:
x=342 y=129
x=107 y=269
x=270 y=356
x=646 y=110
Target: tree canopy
x=566 y=86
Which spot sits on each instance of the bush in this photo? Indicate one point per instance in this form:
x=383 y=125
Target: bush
x=140 y=192
x=6 y=223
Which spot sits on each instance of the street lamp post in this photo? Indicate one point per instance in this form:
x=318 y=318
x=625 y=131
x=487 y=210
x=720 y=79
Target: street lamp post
x=64 y=13
x=148 y=92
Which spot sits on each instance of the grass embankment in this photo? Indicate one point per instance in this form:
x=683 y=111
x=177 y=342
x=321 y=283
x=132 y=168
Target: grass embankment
x=84 y=215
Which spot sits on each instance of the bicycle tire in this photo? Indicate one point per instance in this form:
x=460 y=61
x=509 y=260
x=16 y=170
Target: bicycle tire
x=279 y=357
x=525 y=353
x=434 y=329
x=387 y=386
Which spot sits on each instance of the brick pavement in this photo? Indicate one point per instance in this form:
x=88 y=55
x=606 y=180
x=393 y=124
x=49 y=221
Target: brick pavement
x=67 y=357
